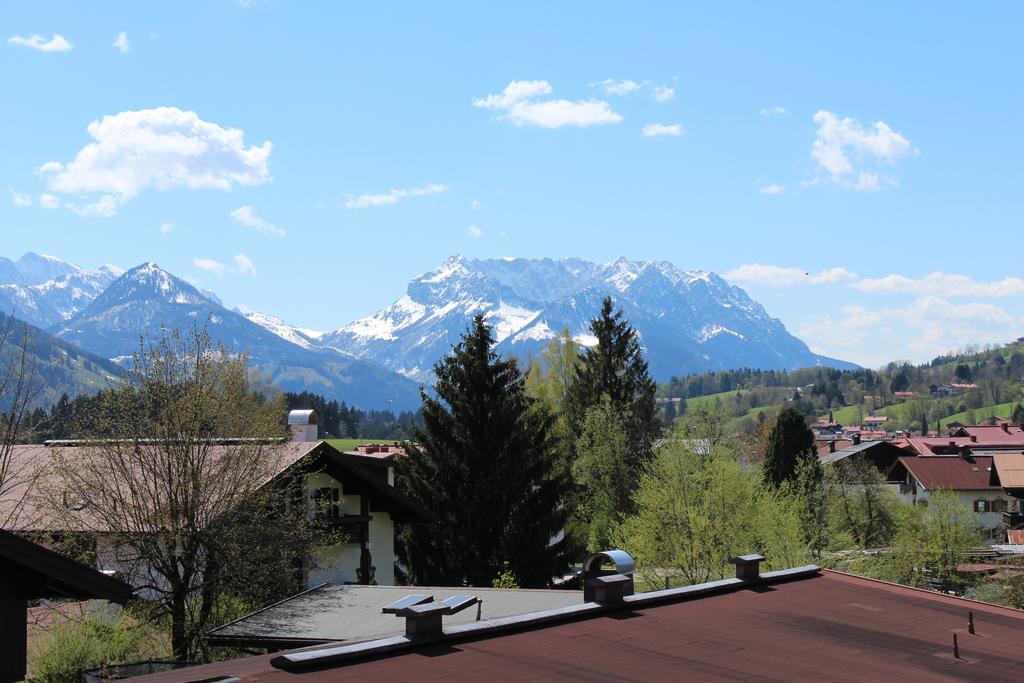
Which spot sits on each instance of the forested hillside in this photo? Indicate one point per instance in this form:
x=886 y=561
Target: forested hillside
x=751 y=396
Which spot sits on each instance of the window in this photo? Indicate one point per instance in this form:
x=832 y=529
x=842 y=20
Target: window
x=990 y=506
x=327 y=501
x=998 y=506
x=981 y=506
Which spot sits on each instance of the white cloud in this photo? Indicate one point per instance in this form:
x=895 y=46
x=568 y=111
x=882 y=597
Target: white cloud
x=57 y=43
x=247 y=216
x=162 y=149
x=771 y=189
x=104 y=207
x=48 y=201
x=474 y=231
x=623 y=87
x=392 y=196
x=245 y=266
x=838 y=138
x=942 y=284
x=663 y=93
x=925 y=328
x=121 y=42
x=475 y=205
x=779 y=276
x=518 y=101
x=774 y=111
x=654 y=129
x=209 y=265
x=166 y=228
x=20 y=200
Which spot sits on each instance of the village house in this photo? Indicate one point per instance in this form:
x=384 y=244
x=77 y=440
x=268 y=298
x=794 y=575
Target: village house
x=353 y=490
x=915 y=467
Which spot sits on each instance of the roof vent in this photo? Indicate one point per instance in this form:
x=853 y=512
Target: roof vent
x=423 y=616
x=748 y=567
x=304 y=425
x=608 y=585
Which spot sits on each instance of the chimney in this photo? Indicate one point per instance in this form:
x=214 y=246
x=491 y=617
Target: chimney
x=304 y=425
x=832 y=446
x=608 y=585
x=1006 y=427
x=748 y=567
x=856 y=438
x=974 y=438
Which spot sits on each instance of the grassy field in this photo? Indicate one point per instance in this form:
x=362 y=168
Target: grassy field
x=980 y=414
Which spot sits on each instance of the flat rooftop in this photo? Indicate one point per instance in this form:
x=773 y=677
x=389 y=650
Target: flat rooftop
x=822 y=625
x=333 y=613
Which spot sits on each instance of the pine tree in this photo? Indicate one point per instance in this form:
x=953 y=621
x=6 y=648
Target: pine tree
x=788 y=442
x=616 y=368
x=484 y=466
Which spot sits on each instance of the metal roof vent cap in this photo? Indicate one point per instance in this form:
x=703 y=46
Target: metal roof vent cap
x=304 y=425
x=748 y=567
x=608 y=585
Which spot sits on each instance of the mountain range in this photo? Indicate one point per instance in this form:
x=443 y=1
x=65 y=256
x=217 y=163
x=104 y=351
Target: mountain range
x=688 y=321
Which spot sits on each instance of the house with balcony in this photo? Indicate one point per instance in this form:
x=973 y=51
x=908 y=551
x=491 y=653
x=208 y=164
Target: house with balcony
x=354 y=491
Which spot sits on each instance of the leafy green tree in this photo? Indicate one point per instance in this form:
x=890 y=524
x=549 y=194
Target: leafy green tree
x=789 y=441
x=862 y=511
x=615 y=367
x=810 y=491
x=484 y=465
x=602 y=471
x=963 y=372
x=946 y=531
x=696 y=508
x=1017 y=416
x=548 y=381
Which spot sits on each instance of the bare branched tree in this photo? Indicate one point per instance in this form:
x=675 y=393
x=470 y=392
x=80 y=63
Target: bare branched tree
x=19 y=387
x=181 y=482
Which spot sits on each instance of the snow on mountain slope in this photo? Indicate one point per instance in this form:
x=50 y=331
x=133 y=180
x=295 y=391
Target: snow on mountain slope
x=688 y=321
x=45 y=290
x=307 y=339
x=147 y=298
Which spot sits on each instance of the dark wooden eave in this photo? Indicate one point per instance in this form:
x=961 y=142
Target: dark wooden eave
x=31 y=571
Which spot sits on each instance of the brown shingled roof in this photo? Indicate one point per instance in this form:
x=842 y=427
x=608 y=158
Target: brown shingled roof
x=951 y=473
x=831 y=626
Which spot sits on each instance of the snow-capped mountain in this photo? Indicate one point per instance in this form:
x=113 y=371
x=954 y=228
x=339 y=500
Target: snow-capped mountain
x=305 y=338
x=146 y=297
x=688 y=321
x=45 y=290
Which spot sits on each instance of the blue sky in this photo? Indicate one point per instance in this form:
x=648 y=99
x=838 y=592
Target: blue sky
x=856 y=170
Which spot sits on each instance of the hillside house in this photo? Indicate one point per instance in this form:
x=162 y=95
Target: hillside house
x=353 y=490
x=951 y=389
x=969 y=477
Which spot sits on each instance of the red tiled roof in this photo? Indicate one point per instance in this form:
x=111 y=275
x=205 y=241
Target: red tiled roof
x=1015 y=536
x=940 y=445
x=951 y=472
x=827 y=627
x=995 y=432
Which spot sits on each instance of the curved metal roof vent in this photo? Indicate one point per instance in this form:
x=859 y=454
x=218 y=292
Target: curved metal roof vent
x=303 y=417
x=608 y=585
x=304 y=425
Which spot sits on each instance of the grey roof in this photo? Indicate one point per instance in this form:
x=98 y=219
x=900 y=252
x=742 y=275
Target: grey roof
x=857 y=448
x=330 y=613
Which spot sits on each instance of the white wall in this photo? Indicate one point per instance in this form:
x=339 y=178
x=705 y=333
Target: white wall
x=340 y=563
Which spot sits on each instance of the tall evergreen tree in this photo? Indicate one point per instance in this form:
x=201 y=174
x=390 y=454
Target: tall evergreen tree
x=615 y=367
x=484 y=465
x=789 y=441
